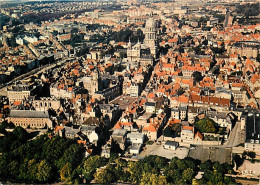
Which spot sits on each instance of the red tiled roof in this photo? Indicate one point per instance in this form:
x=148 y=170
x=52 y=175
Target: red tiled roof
x=208 y=100
x=81 y=142
x=57 y=128
x=121 y=124
x=17 y=103
x=187 y=128
x=151 y=128
x=198 y=134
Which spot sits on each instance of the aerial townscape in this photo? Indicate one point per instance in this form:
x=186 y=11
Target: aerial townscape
x=147 y=92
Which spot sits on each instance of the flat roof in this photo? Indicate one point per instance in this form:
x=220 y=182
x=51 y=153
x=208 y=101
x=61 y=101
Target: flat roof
x=135 y=135
x=171 y=143
x=253 y=126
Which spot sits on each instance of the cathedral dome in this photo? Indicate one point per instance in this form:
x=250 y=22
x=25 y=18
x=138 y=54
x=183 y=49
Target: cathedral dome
x=150 y=23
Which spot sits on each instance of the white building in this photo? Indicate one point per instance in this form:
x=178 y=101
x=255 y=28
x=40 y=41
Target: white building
x=19 y=41
x=187 y=134
x=30 y=39
x=172 y=145
x=150 y=107
x=134 y=90
x=135 y=149
x=135 y=138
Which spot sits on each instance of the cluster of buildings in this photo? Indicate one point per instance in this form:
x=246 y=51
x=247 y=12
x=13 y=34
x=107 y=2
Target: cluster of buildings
x=190 y=67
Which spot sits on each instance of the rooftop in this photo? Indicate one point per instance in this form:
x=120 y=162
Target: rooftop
x=253 y=126
x=29 y=114
x=172 y=143
x=119 y=132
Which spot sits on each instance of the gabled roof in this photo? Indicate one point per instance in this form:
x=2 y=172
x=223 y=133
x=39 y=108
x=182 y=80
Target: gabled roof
x=152 y=128
x=198 y=134
x=57 y=128
x=187 y=128
x=120 y=124
x=17 y=103
x=29 y=114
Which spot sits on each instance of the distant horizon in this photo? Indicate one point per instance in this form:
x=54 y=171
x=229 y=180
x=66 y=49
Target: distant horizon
x=18 y=1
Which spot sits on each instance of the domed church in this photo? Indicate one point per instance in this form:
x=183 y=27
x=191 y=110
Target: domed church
x=150 y=35
x=134 y=52
x=150 y=31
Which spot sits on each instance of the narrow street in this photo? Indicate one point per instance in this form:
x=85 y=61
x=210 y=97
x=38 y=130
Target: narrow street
x=233 y=139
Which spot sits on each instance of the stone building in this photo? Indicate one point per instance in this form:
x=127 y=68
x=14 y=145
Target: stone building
x=91 y=83
x=20 y=92
x=45 y=103
x=30 y=119
x=141 y=51
x=150 y=35
x=252 y=127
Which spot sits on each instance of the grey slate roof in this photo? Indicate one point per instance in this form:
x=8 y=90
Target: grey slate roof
x=28 y=114
x=150 y=104
x=119 y=132
x=171 y=143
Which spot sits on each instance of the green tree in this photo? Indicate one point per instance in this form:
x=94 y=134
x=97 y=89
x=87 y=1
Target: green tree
x=218 y=167
x=181 y=164
x=104 y=176
x=229 y=180
x=160 y=162
x=44 y=172
x=191 y=163
x=135 y=171
x=216 y=177
x=32 y=169
x=4 y=162
x=228 y=168
x=153 y=179
x=197 y=76
x=73 y=155
x=167 y=132
x=54 y=149
x=206 y=125
x=90 y=165
x=117 y=168
x=20 y=133
x=172 y=175
x=37 y=160
x=66 y=173
x=13 y=166
x=146 y=178
x=207 y=165
x=3 y=126
x=113 y=157
x=5 y=144
x=92 y=162
x=187 y=175
x=23 y=170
